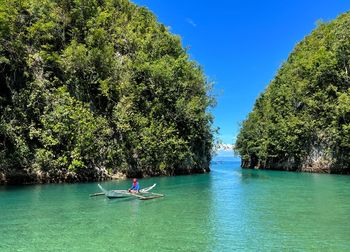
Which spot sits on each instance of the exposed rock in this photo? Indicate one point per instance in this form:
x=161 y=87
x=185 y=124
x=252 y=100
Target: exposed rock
x=118 y=176
x=58 y=176
x=320 y=165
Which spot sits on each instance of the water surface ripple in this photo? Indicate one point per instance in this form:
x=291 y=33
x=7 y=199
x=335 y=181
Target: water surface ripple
x=229 y=209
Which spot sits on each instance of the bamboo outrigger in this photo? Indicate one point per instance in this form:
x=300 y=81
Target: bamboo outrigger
x=143 y=194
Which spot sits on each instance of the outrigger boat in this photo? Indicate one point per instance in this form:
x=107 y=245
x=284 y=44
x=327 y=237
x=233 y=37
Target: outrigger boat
x=143 y=194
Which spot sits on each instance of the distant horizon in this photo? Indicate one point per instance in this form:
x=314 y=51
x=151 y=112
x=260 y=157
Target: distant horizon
x=221 y=155
x=223 y=158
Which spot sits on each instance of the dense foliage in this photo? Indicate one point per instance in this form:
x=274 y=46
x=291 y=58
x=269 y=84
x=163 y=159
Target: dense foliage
x=98 y=85
x=302 y=120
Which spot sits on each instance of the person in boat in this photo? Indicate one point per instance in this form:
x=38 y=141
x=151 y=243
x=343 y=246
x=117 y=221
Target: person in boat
x=135 y=187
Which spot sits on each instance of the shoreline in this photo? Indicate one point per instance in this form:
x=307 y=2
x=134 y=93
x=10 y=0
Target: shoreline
x=335 y=171
x=59 y=177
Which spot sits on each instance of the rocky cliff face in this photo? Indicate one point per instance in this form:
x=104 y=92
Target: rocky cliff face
x=316 y=162
x=19 y=177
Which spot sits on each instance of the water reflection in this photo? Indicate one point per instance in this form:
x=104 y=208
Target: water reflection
x=228 y=209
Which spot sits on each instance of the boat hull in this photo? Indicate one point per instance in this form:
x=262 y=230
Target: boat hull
x=143 y=194
x=117 y=196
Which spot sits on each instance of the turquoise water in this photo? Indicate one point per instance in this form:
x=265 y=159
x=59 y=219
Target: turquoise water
x=226 y=210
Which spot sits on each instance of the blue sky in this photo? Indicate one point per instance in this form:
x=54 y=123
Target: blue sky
x=241 y=44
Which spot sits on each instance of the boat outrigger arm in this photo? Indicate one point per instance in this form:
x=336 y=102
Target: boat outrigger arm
x=143 y=194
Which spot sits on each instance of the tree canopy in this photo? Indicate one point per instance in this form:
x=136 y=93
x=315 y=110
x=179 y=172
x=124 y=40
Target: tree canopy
x=302 y=120
x=98 y=85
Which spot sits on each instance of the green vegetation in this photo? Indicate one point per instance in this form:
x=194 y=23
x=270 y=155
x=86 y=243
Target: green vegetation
x=302 y=120
x=95 y=86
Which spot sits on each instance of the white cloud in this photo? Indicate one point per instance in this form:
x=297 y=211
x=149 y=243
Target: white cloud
x=224 y=150
x=225 y=147
x=191 y=22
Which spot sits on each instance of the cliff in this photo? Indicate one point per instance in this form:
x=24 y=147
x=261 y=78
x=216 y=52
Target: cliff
x=301 y=122
x=89 y=89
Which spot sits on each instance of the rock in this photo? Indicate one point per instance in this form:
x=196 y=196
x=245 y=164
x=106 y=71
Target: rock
x=117 y=176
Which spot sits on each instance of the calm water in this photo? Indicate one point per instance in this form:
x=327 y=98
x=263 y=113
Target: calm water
x=228 y=209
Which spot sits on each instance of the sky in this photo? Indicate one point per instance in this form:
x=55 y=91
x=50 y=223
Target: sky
x=241 y=44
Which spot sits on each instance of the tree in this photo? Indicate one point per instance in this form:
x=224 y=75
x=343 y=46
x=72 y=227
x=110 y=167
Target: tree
x=301 y=120
x=91 y=86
